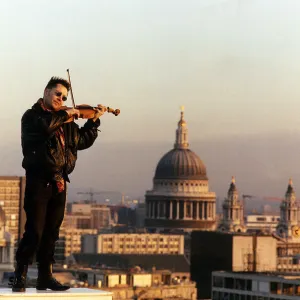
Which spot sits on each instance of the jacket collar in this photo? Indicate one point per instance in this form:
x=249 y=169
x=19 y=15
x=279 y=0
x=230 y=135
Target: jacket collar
x=39 y=105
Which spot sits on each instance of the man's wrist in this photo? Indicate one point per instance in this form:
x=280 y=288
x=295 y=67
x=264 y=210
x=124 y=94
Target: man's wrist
x=93 y=123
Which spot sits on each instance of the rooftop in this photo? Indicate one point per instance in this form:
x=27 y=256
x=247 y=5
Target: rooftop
x=174 y=263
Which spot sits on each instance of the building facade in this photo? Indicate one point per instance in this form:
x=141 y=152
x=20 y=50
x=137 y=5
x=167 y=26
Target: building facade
x=238 y=252
x=230 y=285
x=132 y=243
x=262 y=223
x=88 y=216
x=12 y=189
x=180 y=197
x=7 y=244
x=73 y=239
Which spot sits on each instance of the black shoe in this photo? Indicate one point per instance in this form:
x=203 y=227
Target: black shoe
x=18 y=283
x=50 y=283
x=45 y=279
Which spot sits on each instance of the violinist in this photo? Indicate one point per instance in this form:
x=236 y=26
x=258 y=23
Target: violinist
x=50 y=142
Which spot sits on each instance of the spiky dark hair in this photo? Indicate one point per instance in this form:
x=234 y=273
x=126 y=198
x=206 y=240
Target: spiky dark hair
x=57 y=80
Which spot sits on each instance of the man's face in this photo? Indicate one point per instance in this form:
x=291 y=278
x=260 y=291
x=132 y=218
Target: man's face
x=53 y=98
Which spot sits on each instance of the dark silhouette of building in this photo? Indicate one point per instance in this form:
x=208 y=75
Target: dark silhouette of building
x=238 y=252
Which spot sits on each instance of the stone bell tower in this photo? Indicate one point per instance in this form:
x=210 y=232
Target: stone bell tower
x=233 y=211
x=288 y=226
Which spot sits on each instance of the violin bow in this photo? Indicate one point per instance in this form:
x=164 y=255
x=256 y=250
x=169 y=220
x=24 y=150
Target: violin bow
x=72 y=97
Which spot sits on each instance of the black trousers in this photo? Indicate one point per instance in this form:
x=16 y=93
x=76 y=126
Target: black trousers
x=44 y=208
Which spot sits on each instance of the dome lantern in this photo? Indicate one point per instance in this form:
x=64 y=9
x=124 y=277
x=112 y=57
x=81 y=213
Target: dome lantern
x=181 y=133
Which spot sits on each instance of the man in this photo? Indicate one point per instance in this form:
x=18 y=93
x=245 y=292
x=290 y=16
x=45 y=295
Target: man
x=49 y=146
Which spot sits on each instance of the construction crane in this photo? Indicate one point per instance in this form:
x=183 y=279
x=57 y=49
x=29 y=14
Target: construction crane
x=265 y=198
x=244 y=200
x=276 y=199
x=91 y=193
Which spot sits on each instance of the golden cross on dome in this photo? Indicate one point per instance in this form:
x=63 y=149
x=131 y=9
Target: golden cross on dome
x=182 y=108
x=290 y=181
x=233 y=179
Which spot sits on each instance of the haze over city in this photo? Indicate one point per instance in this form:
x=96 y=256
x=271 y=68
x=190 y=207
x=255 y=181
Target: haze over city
x=232 y=64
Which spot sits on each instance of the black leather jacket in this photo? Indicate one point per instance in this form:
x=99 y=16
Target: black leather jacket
x=43 y=153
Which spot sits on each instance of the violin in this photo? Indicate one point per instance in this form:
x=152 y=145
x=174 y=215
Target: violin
x=86 y=111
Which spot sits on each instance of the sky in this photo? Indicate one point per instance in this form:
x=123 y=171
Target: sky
x=233 y=64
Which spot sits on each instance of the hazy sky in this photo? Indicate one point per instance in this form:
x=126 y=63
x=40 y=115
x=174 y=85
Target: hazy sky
x=233 y=64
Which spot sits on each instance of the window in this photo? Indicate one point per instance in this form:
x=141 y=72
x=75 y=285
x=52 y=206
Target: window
x=249 y=285
x=229 y=283
x=297 y=289
x=240 y=284
x=275 y=287
x=218 y=281
x=287 y=288
x=215 y=296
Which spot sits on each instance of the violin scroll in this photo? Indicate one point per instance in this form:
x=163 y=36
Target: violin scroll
x=110 y=110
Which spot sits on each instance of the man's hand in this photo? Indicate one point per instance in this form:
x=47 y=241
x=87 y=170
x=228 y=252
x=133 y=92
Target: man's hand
x=99 y=112
x=73 y=112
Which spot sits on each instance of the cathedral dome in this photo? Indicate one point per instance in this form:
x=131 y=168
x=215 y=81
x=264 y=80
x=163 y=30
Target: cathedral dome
x=180 y=164
x=180 y=198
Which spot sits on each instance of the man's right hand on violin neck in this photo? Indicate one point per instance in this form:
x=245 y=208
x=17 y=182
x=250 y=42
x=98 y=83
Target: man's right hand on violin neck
x=99 y=111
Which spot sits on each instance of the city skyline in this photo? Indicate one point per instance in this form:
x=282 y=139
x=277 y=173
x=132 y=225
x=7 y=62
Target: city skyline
x=232 y=64
x=220 y=168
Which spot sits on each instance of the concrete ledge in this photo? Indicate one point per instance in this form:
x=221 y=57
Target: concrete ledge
x=73 y=293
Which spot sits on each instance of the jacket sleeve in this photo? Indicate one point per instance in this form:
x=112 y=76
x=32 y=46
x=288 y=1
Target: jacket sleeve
x=88 y=134
x=40 y=127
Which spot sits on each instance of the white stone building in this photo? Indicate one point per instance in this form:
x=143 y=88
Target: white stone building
x=233 y=211
x=180 y=197
x=288 y=226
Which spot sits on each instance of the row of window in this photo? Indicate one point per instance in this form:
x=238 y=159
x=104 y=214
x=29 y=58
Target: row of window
x=172 y=244
x=234 y=296
x=264 y=219
x=140 y=251
x=187 y=184
x=166 y=240
x=4 y=197
x=232 y=283
x=276 y=288
x=9 y=183
x=140 y=246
